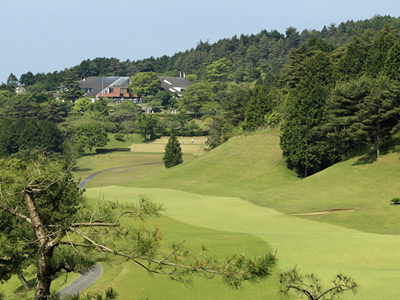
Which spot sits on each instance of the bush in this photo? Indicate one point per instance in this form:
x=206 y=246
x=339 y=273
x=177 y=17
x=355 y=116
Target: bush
x=395 y=201
x=119 y=136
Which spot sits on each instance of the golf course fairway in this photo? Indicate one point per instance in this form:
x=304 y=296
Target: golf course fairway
x=315 y=247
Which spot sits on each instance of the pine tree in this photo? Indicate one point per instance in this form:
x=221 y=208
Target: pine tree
x=173 y=153
x=364 y=111
x=259 y=105
x=302 y=142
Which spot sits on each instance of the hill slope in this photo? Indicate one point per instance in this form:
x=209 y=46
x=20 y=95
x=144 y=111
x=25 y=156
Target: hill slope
x=253 y=169
x=242 y=166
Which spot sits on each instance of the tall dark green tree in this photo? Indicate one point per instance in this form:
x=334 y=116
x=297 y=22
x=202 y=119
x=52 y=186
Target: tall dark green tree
x=302 y=142
x=235 y=102
x=12 y=80
x=259 y=106
x=353 y=63
x=364 y=111
x=25 y=136
x=173 y=153
x=391 y=66
x=377 y=54
x=71 y=90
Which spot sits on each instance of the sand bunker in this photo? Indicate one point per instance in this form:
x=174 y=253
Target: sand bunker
x=323 y=212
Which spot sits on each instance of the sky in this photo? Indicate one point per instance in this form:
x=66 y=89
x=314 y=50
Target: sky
x=44 y=36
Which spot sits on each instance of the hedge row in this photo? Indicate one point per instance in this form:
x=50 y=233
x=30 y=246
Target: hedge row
x=105 y=150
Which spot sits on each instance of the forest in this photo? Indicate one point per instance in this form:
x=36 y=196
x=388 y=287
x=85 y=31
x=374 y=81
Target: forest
x=332 y=92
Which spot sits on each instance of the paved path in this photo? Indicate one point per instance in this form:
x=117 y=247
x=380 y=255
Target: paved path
x=83 y=282
x=85 y=181
x=91 y=275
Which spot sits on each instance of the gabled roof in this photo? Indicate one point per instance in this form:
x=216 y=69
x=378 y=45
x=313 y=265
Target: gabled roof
x=176 y=84
x=100 y=83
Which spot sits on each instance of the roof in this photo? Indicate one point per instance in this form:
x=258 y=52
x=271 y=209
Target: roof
x=175 y=83
x=97 y=84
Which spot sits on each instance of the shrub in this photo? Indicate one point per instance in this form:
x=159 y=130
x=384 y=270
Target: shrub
x=395 y=201
x=119 y=136
x=105 y=150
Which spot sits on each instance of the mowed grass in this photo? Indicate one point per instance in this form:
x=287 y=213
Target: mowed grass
x=14 y=290
x=93 y=163
x=253 y=169
x=187 y=146
x=144 y=159
x=132 y=281
x=316 y=247
x=212 y=198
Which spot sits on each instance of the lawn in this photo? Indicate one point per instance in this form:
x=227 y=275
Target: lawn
x=316 y=247
x=251 y=168
x=240 y=197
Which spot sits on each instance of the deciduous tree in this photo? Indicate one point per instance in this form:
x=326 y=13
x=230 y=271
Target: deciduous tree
x=147 y=125
x=145 y=84
x=219 y=70
x=195 y=96
x=90 y=135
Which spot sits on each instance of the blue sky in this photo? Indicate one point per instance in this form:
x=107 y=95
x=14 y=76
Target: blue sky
x=51 y=35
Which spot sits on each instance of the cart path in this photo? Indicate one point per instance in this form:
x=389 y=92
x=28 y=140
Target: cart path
x=91 y=275
x=87 y=179
x=83 y=282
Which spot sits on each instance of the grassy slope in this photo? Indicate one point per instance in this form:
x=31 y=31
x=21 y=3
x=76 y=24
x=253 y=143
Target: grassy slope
x=313 y=246
x=243 y=167
x=252 y=168
x=209 y=209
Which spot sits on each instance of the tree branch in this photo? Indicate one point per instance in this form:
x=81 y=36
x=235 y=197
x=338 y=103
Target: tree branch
x=163 y=262
x=15 y=213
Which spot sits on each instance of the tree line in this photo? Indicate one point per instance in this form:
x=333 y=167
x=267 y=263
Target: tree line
x=251 y=56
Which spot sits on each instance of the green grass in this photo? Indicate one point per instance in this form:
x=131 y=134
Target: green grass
x=133 y=138
x=13 y=289
x=316 y=247
x=219 y=243
x=92 y=163
x=253 y=169
x=241 y=197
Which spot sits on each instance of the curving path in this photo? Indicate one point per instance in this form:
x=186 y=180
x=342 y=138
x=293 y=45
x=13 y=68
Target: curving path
x=91 y=275
x=86 y=180
x=83 y=282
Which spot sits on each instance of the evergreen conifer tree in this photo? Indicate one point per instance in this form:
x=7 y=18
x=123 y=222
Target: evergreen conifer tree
x=173 y=153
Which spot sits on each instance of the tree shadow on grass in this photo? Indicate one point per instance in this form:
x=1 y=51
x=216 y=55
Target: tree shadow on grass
x=369 y=155
x=366 y=159
x=21 y=289
x=366 y=155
